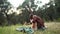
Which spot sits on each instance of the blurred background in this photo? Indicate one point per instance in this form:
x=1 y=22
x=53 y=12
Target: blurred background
x=15 y=11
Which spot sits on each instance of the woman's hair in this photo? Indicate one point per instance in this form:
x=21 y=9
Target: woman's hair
x=31 y=16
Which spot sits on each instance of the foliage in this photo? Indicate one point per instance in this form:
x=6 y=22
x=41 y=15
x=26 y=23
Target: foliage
x=50 y=13
x=4 y=7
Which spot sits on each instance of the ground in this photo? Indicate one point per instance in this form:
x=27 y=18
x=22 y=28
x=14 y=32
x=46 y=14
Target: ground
x=52 y=28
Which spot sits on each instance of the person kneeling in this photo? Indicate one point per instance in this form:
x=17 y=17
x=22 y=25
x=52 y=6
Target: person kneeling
x=37 y=22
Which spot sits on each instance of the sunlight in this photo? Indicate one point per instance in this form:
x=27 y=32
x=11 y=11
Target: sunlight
x=43 y=2
x=16 y=3
x=37 y=2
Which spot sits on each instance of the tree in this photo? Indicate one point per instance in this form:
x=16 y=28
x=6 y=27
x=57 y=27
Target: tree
x=5 y=6
x=57 y=4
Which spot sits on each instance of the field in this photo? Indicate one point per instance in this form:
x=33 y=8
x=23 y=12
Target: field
x=52 y=28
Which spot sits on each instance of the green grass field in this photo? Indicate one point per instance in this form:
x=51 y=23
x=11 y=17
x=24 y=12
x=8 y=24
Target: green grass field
x=52 y=28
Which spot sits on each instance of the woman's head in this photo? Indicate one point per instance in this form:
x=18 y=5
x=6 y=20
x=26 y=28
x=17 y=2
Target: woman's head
x=31 y=16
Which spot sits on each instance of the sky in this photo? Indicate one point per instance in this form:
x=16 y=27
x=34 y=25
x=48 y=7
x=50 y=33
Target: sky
x=16 y=3
x=43 y=2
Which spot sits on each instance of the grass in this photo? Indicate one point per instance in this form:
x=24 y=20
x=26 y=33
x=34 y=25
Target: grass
x=52 y=28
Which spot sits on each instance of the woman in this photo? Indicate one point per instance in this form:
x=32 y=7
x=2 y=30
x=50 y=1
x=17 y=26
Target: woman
x=36 y=20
